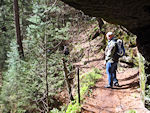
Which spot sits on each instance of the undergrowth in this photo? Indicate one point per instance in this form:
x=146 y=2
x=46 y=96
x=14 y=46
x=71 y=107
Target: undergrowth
x=87 y=80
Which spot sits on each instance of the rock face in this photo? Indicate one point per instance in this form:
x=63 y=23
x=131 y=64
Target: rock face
x=132 y=14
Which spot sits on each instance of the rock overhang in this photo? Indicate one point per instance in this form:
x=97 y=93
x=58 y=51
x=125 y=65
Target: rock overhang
x=132 y=14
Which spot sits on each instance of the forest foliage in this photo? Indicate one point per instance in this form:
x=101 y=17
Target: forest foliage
x=31 y=84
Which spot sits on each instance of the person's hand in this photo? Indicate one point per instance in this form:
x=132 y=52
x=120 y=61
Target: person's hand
x=104 y=63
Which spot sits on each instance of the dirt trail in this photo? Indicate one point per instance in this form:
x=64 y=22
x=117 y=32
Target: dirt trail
x=118 y=99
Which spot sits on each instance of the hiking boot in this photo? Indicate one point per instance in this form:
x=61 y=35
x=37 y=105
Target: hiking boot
x=116 y=84
x=108 y=86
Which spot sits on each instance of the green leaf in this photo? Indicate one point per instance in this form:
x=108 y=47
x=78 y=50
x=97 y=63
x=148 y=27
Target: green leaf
x=34 y=19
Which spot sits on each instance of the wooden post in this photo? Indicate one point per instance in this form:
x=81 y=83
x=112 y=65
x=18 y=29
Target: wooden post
x=0 y=78
x=67 y=81
x=78 y=85
x=46 y=75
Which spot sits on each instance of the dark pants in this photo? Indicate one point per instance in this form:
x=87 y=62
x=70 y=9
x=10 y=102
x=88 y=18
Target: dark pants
x=111 y=72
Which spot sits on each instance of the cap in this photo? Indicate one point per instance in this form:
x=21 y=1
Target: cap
x=108 y=34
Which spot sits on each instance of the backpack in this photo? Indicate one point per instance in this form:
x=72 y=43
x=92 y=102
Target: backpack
x=121 y=49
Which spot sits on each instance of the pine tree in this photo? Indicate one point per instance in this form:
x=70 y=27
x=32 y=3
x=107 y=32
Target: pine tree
x=35 y=81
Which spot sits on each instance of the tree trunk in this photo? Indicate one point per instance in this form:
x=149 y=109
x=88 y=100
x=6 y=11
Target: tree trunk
x=100 y=23
x=18 y=31
x=46 y=75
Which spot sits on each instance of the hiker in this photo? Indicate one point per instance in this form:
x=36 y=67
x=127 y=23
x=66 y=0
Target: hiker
x=66 y=50
x=111 y=60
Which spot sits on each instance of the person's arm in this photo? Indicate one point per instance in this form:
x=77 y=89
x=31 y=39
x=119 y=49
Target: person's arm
x=110 y=51
x=106 y=49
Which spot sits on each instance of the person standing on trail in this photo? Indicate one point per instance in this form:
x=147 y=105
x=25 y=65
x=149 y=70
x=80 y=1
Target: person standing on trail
x=111 y=60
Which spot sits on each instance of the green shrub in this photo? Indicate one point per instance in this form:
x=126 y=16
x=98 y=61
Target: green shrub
x=73 y=107
x=131 y=111
x=55 y=110
x=87 y=80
